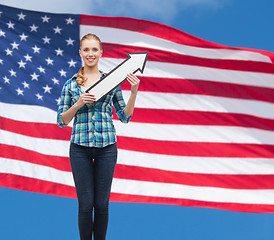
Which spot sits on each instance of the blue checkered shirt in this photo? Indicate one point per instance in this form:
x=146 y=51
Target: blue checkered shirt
x=93 y=125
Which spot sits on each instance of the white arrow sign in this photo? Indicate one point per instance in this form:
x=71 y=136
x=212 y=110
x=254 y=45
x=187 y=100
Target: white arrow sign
x=135 y=62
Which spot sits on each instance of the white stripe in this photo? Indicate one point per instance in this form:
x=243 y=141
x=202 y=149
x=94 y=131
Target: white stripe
x=20 y=168
x=191 y=102
x=194 y=133
x=143 y=188
x=207 y=165
x=132 y=38
x=191 y=192
x=172 y=70
x=45 y=146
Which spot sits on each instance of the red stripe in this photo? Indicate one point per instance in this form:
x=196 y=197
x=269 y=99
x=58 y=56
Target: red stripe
x=17 y=153
x=160 y=31
x=199 y=149
x=34 y=129
x=36 y=185
x=163 y=116
x=206 y=88
x=120 y=51
x=255 y=208
x=231 y=181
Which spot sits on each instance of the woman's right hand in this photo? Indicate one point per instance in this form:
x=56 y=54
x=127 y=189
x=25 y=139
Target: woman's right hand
x=85 y=98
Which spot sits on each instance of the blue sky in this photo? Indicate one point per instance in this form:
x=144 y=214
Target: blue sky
x=33 y=216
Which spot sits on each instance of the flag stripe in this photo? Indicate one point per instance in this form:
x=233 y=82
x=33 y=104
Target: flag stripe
x=208 y=88
x=119 y=51
x=121 y=36
x=235 y=181
x=201 y=149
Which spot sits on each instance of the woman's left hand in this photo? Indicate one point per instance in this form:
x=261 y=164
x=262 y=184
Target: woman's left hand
x=134 y=81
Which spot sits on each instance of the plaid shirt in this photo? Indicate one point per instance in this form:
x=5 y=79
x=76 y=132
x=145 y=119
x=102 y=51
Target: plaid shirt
x=93 y=125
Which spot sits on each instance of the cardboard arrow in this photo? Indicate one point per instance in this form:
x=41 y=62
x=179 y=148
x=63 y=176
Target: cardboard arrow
x=135 y=62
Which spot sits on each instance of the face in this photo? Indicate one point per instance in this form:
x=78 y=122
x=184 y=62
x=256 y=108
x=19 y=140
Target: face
x=90 y=52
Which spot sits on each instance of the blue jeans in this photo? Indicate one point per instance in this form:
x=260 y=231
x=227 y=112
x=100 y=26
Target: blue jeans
x=93 y=170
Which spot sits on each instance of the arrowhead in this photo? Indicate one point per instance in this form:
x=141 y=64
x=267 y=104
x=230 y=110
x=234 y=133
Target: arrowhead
x=139 y=60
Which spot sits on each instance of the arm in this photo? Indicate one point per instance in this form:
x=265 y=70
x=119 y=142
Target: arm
x=134 y=81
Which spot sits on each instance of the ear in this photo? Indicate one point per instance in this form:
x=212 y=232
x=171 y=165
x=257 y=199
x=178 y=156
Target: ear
x=80 y=53
x=101 y=52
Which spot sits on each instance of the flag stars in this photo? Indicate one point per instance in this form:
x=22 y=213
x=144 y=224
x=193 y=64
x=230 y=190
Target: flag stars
x=25 y=84
x=21 y=16
x=47 y=89
x=46 y=40
x=1 y=61
x=41 y=69
x=70 y=41
x=23 y=37
x=2 y=34
x=57 y=30
x=58 y=100
x=12 y=73
x=70 y=20
x=63 y=73
x=28 y=58
x=8 y=52
x=15 y=45
x=55 y=81
x=33 y=28
x=49 y=61
x=36 y=49
x=39 y=97
x=22 y=64
x=45 y=19
x=19 y=91
x=72 y=63
x=6 y=80
x=10 y=25
x=59 y=52
x=34 y=76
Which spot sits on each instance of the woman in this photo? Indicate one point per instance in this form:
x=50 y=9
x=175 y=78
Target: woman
x=93 y=150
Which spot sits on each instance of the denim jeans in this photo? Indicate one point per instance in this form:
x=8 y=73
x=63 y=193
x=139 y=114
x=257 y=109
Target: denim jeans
x=93 y=170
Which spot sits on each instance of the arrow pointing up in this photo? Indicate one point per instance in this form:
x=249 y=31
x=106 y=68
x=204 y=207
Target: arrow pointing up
x=135 y=62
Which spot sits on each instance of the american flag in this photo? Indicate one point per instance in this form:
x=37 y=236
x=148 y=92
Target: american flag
x=201 y=133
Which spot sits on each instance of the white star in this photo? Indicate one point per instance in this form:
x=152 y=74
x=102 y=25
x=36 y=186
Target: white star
x=19 y=91
x=33 y=28
x=63 y=73
x=10 y=25
x=8 y=52
x=49 y=61
x=58 y=100
x=0 y=13
x=23 y=37
x=22 y=64
x=34 y=76
x=46 y=40
x=57 y=30
x=6 y=80
x=1 y=61
x=39 y=97
x=70 y=20
x=28 y=58
x=12 y=73
x=55 y=81
x=26 y=85
x=47 y=89
x=15 y=45
x=72 y=63
x=59 y=52
x=46 y=18
x=41 y=69
x=70 y=41
x=36 y=49
x=2 y=34
x=21 y=16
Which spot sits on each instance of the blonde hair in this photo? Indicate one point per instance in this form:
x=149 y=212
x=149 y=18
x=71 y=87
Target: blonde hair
x=80 y=80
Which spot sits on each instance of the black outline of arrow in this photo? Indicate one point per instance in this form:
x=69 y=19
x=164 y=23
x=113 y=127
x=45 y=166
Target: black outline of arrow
x=129 y=57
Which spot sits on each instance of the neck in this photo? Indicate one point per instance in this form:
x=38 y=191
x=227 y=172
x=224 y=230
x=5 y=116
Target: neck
x=91 y=70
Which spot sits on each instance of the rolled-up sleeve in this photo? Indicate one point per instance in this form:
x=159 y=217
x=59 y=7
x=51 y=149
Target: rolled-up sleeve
x=119 y=106
x=64 y=105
